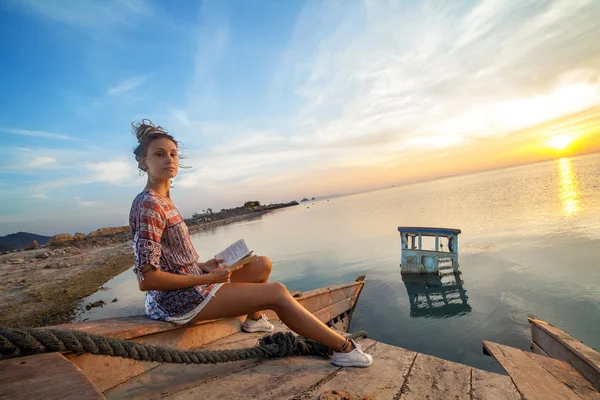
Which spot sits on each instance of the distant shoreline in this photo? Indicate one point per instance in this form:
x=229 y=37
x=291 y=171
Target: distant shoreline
x=45 y=286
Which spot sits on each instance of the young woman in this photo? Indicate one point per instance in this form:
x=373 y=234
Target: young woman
x=181 y=289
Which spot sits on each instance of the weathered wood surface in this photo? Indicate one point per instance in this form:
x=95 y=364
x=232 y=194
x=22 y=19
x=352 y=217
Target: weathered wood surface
x=396 y=374
x=491 y=386
x=434 y=378
x=562 y=346
x=568 y=375
x=44 y=376
x=315 y=300
x=122 y=369
x=539 y=377
x=380 y=381
x=538 y=350
x=172 y=378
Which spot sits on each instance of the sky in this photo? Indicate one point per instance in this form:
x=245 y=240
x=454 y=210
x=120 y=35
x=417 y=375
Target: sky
x=279 y=100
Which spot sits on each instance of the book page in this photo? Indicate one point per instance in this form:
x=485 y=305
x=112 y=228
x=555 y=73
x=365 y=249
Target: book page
x=234 y=252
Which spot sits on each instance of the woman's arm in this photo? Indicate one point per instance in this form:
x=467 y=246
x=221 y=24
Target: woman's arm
x=159 y=280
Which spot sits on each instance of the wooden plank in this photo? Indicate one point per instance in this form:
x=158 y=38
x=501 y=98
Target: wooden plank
x=568 y=375
x=560 y=345
x=321 y=298
x=342 y=324
x=124 y=328
x=167 y=379
x=531 y=379
x=351 y=286
x=432 y=378
x=274 y=379
x=538 y=350
x=382 y=380
x=45 y=376
x=122 y=369
x=328 y=313
x=490 y=386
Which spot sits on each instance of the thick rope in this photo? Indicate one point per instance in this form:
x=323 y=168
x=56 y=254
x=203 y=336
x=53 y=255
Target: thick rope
x=29 y=341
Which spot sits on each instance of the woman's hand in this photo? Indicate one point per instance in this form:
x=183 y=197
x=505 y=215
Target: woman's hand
x=220 y=274
x=211 y=264
x=223 y=273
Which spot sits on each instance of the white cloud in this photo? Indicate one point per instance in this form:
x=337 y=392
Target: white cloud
x=40 y=134
x=127 y=85
x=120 y=172
x=84 y=203
x=22 y=159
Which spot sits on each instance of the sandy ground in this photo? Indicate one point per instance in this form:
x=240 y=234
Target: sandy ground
x=36 y=290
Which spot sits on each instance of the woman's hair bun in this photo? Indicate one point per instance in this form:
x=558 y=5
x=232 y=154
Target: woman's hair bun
x=144 y=128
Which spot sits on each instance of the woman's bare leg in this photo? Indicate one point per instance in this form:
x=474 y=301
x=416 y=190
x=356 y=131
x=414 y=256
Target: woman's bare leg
x=254 y=272
x=235 y=299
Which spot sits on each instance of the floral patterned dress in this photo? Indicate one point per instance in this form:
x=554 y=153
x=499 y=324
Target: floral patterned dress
x=162 y=241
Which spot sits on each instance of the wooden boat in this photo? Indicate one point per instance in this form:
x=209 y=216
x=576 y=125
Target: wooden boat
x=396 y=374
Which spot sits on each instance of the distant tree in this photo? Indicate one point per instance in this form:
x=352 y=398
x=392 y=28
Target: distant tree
x=249 y=204
x=209 y=210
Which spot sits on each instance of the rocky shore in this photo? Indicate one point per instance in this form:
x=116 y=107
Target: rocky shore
x=197 y=223
x=44 y=286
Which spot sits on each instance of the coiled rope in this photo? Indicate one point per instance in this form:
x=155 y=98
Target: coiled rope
x=29 y=341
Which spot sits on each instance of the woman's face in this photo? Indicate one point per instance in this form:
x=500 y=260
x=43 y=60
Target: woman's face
x=162 y=159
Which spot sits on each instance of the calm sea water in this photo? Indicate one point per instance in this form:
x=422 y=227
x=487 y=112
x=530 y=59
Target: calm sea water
x=530 y=246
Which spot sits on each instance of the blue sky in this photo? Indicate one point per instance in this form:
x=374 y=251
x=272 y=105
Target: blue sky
x=277 y=100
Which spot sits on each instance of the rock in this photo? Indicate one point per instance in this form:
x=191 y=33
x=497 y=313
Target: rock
x=60 y=239
x=99 y=303
x=114 y=300
x=16 y=261
x=109 y=231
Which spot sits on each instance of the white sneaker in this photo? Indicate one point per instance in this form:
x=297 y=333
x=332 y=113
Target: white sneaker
x=355 y=358
x=260 y=325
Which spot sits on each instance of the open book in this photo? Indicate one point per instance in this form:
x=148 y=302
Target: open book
x=236 y=254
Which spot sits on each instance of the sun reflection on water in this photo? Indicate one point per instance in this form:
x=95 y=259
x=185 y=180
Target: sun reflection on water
x=569 y=192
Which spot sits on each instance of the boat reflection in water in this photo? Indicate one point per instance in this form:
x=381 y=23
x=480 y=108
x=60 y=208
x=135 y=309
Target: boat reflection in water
x=436 y=295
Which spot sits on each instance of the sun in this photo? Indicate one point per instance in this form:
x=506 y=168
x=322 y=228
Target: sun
x=559 y=142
